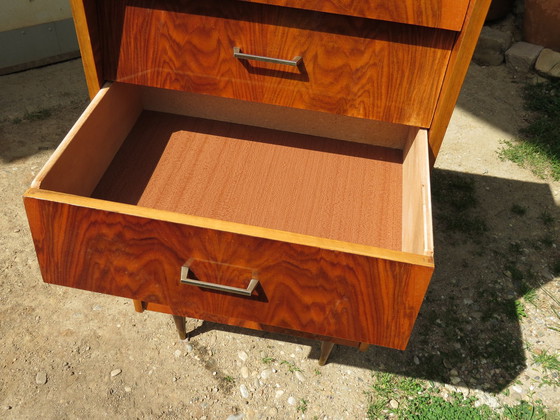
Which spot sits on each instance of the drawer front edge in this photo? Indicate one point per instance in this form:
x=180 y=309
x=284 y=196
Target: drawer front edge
x=317 y=291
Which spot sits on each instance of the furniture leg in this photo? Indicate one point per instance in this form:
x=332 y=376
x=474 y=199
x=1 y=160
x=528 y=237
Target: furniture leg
x=326 y=348
x=363 y=347
x=138 y=305
x=181 y=326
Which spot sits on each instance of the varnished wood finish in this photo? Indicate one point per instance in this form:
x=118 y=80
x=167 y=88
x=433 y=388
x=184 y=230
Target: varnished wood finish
x=445 y=14
x=417 y=232
x=85 y=20
x=81 y=159
x=351 y=66
x=138 y=305
x=303 y=288
x=256 y=114
x=458 y=66
x=314 y=186
x=181 y=326
x=326 y=349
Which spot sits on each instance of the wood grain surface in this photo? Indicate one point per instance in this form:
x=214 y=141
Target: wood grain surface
x=351 y=66
x=317 y=291
x=309 y=185
x=445 y=14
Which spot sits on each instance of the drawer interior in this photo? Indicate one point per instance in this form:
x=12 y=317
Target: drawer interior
x=125 y=149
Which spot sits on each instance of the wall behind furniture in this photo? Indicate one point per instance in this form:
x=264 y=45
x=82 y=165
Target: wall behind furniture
x=35 y=33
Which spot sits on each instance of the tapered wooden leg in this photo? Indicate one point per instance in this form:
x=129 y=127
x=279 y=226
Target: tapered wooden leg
x=138 y=305
x=326 y=348
x=363 y=347
x=181 y=326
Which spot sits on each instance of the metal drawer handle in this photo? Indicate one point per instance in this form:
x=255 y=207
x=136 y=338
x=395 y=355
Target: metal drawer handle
x=241 y=56
x=185 y=279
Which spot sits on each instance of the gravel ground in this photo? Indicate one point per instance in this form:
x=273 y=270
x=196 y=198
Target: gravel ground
x=72 y=354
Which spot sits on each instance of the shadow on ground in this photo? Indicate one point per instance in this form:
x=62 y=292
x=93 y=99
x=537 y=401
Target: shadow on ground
x=493 y=245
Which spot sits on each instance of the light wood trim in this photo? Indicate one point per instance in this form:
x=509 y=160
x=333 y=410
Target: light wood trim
x=417 y=232
x=455 y=75
x=83 y=20
x=237 y=228
x=315 y=123
x=80 y=160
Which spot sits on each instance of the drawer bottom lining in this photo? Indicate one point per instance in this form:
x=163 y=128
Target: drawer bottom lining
x=297 y=183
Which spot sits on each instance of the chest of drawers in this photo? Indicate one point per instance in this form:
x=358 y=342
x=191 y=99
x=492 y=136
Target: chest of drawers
x=257 y=163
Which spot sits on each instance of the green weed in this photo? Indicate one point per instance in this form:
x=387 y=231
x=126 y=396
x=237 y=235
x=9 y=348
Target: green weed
x=539 y=150
x=302 y=406
x=518 y=210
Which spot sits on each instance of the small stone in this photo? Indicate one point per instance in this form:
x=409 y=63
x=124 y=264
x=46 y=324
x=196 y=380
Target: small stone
x=455 y=380
x=517 y=388
x=292 y=401
x=548 y=63
x=6 y=407
x=242 y=355
x=453 y=372
x=394 y=404
x=447 y=363
x=244 y=391
x=127 y=389
x=416 y=360
x=265 y=374
x=177 y=353
x=491 y=46
x=300 y=376
x=41 y=378
x=272 y=412
x=239 y=416
x=189 y=347
x=115 y=372
x=97 y=308
x=278 y=393
x=244 y=372
x=522 y=56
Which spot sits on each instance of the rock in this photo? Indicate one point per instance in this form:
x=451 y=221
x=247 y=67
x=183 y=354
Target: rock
x=455 y=380
x=453 y=372
x=244 y=372
x=189 y=347
x=394 y=404
x=292 y=401
x=517 y=388
x=242 y=355
x=97 y=308
x=244 y=391
x=548 y=63
x=491 y=47
x=238 y=416
x=416 y=360
x=115 y=372
x=127 y=389
x=300 y=376
x=41 y=378
x=447 y=363
x=265 y=374
x=6 y=407
x=177 y=353
x=272 y=412
x=278 y=393
x=522 y=56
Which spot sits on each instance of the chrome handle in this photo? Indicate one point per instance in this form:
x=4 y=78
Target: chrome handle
x=185 y=279
x=242 y=56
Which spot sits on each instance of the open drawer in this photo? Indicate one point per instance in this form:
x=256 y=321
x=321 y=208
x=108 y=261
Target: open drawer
x=250 y=225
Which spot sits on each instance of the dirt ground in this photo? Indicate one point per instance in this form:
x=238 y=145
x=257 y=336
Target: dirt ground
x=72 y=354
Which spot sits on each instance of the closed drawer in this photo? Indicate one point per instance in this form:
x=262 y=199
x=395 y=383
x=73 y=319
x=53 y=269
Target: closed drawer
x=444 y=14
x=350 y=66
x=337 y=234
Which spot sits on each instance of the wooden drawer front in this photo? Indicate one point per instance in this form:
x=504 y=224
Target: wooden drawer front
x=351 y=66
x=444 y=14
x=304 y=288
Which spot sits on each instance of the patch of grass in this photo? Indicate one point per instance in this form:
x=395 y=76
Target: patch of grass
x=432 y=407
x=268 y=360
x=291 y=366
x=546 y=218
x=539 y=150
x=518 y=210
x=520 y=310
x=548 y=361
x=39 y=115
x=547 y=241
x=525 y=411
x=302 y=406
x=457 y=196
x=229 y=379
